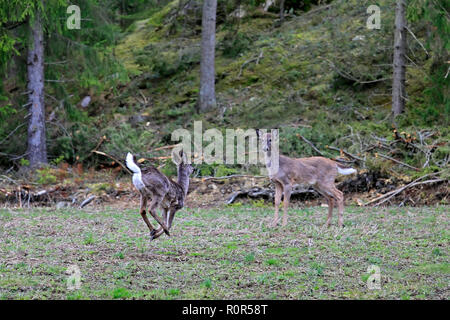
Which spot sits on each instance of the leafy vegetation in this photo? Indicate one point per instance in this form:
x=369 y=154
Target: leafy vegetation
x=321 y=74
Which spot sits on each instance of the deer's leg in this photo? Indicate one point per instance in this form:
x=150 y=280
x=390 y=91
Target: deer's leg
x=153 y=205
x=330 y=202
x=168 y=218
x=172 y=211
x=329 y=193
x=144 y=214
x=160 y=230
x=339 y=196
x=287 y=197
x=278 y=194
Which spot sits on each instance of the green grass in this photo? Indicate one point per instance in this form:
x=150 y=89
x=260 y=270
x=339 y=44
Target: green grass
x=225 y=253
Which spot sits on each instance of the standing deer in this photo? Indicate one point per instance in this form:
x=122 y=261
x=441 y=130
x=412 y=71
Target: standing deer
x=162 y=191
x=318 y=172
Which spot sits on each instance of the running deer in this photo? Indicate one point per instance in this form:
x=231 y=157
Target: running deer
x=162 y=192
x=318 y=172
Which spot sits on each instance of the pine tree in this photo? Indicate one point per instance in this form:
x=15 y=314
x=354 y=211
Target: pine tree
x=37 y=15
x=74 y=60
x=207 y=70
x=398 y=85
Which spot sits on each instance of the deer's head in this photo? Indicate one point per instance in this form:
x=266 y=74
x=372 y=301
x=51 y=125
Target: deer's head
x=183 y=164
x=267 y=139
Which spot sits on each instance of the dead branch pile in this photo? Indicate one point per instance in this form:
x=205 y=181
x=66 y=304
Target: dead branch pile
x=26 y=196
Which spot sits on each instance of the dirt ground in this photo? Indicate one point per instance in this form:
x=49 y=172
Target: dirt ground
x=226 y=252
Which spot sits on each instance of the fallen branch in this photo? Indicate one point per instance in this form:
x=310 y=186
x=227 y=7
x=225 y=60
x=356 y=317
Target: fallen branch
x=111 y=157
x=12 y=132
x=319 y=9
x=420 y=43
x=256 y=192
x=233 y=176
x=8 y=178
x=154 y=158
x=411 y=185
x=311 y=144
x=102 y=139
x=398 y=190
x=166 y=147
x=249 y=61
x=397 y=161
x=42 y=192
x=87 y=201
x=351 y=78
x=348 y=154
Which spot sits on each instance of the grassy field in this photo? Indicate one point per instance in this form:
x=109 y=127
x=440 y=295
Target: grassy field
x=225 y=253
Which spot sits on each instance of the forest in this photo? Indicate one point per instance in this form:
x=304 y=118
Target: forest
x=92 y=89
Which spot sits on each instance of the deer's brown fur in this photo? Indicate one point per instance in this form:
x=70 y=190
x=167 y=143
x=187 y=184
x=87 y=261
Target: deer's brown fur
x=162 y=192
x=318 y=172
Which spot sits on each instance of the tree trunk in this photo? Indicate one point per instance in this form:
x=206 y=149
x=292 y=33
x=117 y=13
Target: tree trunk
x=282 y=10
x=207 y=70
x=37 y=150
x=398 y=84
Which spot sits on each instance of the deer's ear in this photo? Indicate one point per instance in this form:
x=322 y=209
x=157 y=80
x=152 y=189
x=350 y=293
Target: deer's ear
x=275 y=133
x=183 y=156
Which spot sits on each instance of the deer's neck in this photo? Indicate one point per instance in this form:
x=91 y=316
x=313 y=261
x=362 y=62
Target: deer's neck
x=272 y=163
x=267 y=158
x=183 y=180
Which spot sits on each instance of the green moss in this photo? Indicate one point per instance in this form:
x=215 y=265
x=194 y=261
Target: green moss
x=270 y=76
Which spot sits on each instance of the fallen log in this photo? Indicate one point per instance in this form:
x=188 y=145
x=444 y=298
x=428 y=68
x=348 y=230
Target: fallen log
x=257 y=192
x=234 y=176
x=87 y=201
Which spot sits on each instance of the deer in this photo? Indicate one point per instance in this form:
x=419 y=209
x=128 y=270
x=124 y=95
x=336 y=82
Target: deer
x=317 y=172
x=162 y=192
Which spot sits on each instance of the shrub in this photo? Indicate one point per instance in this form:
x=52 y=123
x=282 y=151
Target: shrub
x=120 y=139
x=45 y=176
x=234 y=44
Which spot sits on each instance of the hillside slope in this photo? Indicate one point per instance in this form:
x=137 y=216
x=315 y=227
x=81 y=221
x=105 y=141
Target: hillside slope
x=322 y=74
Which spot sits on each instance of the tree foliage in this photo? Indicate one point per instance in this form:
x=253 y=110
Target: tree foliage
x=435 y=14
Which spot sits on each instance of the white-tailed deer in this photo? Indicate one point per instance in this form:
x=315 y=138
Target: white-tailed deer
x=318 y=172
x=162 y=191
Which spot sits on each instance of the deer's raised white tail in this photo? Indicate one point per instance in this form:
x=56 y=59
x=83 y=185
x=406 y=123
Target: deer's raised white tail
x=137 y=174
x=345 y=171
